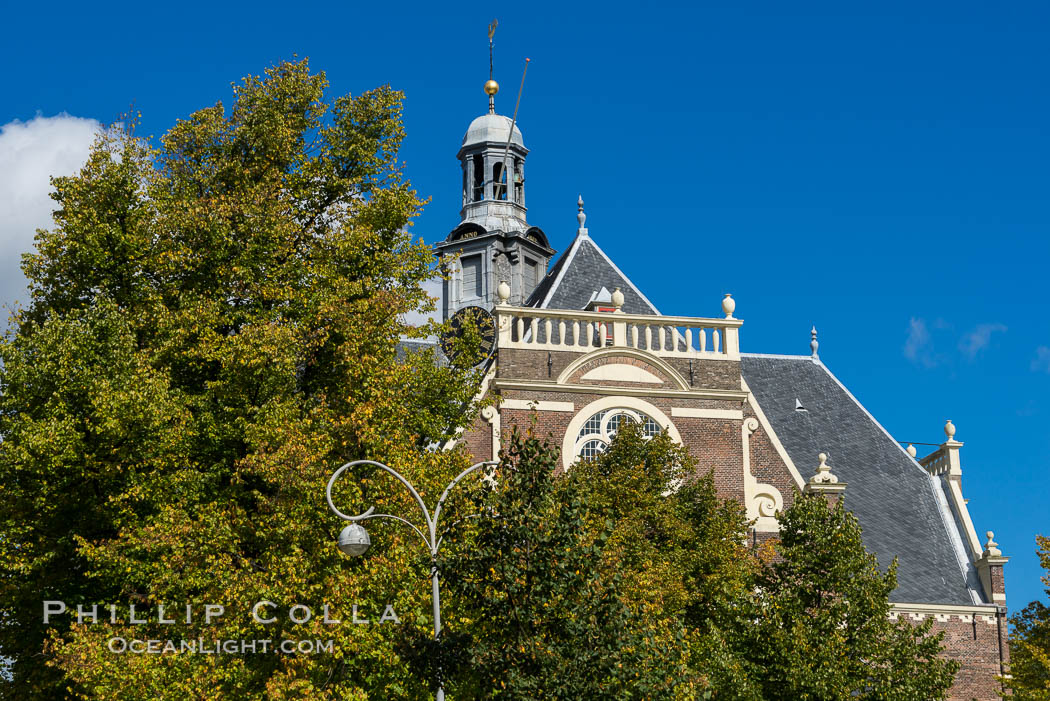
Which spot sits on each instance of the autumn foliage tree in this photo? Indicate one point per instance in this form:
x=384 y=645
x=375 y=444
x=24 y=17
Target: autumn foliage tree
x=1030 y=643
x=213 y=329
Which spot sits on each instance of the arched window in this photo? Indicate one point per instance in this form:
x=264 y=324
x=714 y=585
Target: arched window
x=599 y=429
x=499 y=182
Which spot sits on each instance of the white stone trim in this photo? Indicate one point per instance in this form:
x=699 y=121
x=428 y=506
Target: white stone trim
x=568 y=444
x=761 y=501
x=534 y=386
x=536 y=405
x=692 y=413
x=644 y=356
x=492 y=415
x=768 y=427
x=944 y=613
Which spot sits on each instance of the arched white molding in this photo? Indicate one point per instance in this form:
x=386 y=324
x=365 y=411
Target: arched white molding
x=568 y=444
x=620 y=351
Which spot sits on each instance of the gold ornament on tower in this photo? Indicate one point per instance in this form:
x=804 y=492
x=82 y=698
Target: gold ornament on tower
x=491 y=87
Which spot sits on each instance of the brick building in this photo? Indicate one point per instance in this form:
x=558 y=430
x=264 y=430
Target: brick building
x=580 y=345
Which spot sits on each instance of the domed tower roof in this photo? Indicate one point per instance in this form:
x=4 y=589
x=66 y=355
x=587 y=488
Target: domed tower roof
x=492 y=128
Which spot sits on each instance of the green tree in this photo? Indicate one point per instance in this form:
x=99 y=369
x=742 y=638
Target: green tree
x=1030 y=642
x=681 y=550
x=821 y=625
x=541 y=617
x=213 y=328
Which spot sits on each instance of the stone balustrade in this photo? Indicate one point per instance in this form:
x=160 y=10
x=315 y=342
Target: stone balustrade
x=665 y=336
x=937 y=462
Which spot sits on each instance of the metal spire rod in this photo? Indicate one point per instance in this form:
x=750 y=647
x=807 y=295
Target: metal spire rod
x=510 y=134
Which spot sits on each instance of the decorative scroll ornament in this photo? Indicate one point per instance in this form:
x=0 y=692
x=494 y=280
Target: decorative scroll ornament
x=762 y=501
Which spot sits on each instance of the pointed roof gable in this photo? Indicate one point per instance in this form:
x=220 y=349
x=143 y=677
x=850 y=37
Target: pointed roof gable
x=900 y=507
x=581 y=272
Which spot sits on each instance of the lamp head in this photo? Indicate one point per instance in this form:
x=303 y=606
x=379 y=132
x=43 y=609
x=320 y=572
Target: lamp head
x=354 y=540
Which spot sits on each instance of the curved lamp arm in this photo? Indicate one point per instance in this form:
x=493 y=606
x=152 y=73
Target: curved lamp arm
x=433 y=542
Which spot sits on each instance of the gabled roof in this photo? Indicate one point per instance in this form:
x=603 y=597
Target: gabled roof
x=901 y=508
x=581 y=272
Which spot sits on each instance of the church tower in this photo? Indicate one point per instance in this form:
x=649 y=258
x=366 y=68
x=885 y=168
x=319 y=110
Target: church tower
x=493 y=242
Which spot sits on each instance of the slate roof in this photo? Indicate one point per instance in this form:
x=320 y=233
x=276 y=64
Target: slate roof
x=901 y=508
x=580 y=272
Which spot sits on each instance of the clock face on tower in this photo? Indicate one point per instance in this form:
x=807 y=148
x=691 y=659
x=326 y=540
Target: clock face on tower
x=470 y=320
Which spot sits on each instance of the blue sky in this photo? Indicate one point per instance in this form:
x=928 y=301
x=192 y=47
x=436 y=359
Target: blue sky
x=876 y=169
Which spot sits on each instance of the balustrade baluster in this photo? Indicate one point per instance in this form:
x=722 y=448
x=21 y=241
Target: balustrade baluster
x=716 y=339
x=520 y=324
x=561 y=332
x=547 y=331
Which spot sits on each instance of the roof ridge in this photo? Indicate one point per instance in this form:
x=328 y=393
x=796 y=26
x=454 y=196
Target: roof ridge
x=947 y=519
x=561 y=265
x=621 y=274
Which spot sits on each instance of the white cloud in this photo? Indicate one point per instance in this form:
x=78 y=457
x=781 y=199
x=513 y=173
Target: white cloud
x=918 y=347
x=977 y=340
x=1041 y=362
x=30 y=153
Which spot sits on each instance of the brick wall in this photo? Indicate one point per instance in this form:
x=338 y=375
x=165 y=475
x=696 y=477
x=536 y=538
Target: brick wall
x=975 y=642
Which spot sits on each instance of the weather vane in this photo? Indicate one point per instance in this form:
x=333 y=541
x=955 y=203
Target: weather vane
x=492 y=30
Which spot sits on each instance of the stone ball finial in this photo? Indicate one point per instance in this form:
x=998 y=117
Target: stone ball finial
x=728 y=305
x=991 y=548
x=491 y=87
x=813 y=343
x=503 y=291
x=911 y=450
x=949 y=429
x=617 y=298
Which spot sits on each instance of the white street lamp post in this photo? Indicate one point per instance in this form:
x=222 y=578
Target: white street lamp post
x=354 y=540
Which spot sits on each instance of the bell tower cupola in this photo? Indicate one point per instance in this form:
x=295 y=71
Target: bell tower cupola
x=493 y=241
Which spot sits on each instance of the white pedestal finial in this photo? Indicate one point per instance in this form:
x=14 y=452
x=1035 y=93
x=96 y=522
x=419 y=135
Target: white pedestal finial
x=911 y=450
x=824 y=481
x=991 y=548
x=617 y=299
x=949 y=429
x=503 y=291
x=813 y=343
x=728 y=305
x=581 y=217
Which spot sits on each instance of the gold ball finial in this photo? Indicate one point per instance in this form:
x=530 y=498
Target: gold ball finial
x=491 y=87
